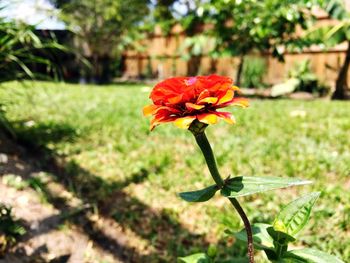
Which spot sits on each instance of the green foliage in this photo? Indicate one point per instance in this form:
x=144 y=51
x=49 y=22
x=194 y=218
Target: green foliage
x=291 y=219
x=200 y=195
x=331 y=35
x=309 y=255
x=197 y=45
x=255 y=27
x=335 y=8
x=300 y=78
x=164 y=14
x=208 y=257
x=328 y=36
x=247 y=185
x=104 y=28
x=20 y=47
x=308 y=81
x=14 y=181
x=254 y=69
x=10 y=229
x=195 y=258
x=296 y=214
x=261 y=238
x=242 y=186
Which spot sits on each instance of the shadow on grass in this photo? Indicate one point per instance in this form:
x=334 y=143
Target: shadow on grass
x=167 y=236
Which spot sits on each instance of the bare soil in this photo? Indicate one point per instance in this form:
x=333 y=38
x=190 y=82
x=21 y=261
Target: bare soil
x=50 y=236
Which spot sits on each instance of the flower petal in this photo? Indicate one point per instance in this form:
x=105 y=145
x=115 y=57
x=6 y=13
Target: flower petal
x=149 y=110
x=240 y=102
x=205 y=93
x=192 y=106
x=227 y=97
x=159 y=120
x=176 y=99
x=184 y=122
x=210 y=100
x=235 y=88
x=167 y=109
x=208 y=118
x=226 y=116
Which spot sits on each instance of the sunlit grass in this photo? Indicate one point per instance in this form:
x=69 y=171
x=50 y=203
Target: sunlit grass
x=102 y=130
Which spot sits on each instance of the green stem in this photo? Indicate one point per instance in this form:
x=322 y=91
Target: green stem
x=204 y=145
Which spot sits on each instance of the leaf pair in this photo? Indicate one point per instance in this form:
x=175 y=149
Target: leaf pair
x=274 y=239
x=242 y=186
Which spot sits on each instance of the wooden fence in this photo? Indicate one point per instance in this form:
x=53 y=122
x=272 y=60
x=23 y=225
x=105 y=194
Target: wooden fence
x=161 y=60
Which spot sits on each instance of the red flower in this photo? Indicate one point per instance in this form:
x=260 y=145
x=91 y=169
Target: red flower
x=183 y=99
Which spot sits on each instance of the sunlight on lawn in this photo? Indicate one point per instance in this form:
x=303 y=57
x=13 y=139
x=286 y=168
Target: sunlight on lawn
x=101 y=130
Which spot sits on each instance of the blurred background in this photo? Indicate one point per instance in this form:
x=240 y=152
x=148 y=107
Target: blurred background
x=83 y=180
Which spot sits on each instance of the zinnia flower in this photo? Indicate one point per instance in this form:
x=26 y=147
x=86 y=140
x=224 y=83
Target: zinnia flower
x=184 y=99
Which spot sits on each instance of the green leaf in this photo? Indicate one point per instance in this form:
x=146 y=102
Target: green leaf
x=336 y=9
x=281 y=237
x=195 y=258
x=293 y=260
x=199 y=195
x=247 y=185
x=261 y=238
x=310 y=255
x=294 y=216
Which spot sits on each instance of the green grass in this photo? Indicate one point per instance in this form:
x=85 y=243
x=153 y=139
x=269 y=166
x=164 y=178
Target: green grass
x=105 y=142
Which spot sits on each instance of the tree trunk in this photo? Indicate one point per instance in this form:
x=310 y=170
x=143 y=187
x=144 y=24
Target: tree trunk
x=341 y=85
x=101 y=69
x=213 y=65
x=193 y=65
x=239 y=71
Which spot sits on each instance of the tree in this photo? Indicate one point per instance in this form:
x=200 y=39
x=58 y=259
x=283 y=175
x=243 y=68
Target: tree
x=163 y=14
x=333 y=35
x=190 y=16
x=103 y=29
x=241 y=27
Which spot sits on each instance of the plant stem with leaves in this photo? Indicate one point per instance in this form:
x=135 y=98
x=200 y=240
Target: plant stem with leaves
x=204 y=145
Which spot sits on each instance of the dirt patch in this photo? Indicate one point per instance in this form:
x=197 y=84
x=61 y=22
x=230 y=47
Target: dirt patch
x=49 y=237
x=80 y=217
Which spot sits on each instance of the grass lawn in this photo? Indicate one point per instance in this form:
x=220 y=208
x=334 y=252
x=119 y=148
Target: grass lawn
x=104 y=141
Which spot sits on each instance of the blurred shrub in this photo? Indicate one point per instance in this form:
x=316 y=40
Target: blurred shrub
x=10 y=229
x=308 y=81
x=254 y=69
x=301 y=78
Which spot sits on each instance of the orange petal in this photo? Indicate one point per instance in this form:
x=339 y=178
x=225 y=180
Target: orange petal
x=165 y=108
x=208 y=118
x=175 y=99
x=235 y=88
x=159 y=120
x=227 y=97
x=184 y=122
x=240 y=102
x=205 y=93
x=192 y=106
x=210 y=100
x=227 y=116
x=149 y=110
x=155 y=122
